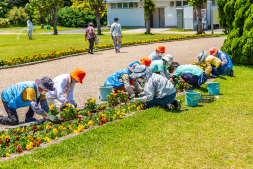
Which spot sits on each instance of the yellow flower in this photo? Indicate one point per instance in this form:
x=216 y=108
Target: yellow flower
x=47 y=139
x=60 y=127
x=48 y=127
x=64 y=109
x=89 y=113
x=138 y=108
x=7 y=137
x=124 y=110
x=114 y=117
x=70 y=127
x=108 y=96
x=77 y=109
x=130 y=112
x=94 y=99
x=51 y=105
x=120 y=116
x=18 y=129
x=23 y=130
x=100 y=113
x=3 y=137
x=7 y=155
x=129 y=108
x=56 y=138
x=54 y=130
x=90 y=123
x=118 y=113
x=75 y=131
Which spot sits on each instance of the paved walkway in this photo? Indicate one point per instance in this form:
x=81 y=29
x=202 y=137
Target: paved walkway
x=102 y=64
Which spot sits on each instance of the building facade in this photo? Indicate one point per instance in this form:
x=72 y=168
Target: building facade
x=167 y=14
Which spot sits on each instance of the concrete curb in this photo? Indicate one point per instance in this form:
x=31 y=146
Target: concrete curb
x=77 y=54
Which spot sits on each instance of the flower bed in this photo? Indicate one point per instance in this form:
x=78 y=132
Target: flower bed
x=57 y=54
x=19 y=139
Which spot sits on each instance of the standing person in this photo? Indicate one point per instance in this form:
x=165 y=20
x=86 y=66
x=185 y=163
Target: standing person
x=191 y=74
x=161 y=66
x=157 y=54
x=30 y=28
x=116 y=34
x=24 y=94
x=226 y=62
x=65 y=84
x=90 y=35
x=158 y=90
x=213 y=64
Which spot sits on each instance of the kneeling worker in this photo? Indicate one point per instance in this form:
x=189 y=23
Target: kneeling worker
x=24 y=94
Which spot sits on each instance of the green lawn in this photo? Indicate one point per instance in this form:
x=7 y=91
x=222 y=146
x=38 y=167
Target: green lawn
x=39 y=30
x=13 y=47
x=212 y=135
x=108 y=30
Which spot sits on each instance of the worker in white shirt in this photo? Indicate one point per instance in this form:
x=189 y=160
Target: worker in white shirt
x=30 y=28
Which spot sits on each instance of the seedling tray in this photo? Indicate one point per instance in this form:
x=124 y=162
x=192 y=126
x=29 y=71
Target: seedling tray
x=206 y=98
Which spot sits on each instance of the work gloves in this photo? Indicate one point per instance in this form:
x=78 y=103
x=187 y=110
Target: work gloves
x=134 y=100
x=52 y=117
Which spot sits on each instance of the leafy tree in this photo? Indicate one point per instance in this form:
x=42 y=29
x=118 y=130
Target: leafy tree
x=18 y=16
x=3 y=9
x=17 y=3
x=198 y=5
x=47 y=8
x=148 y=9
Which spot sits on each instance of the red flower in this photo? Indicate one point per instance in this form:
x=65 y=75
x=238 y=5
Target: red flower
x=34 y=144
x=1 y=142
x=18 y=138
x=15 y=144
x=20 y=150
x=13 y=131
x=100 y=117
x=79 y=119
x=101 y=123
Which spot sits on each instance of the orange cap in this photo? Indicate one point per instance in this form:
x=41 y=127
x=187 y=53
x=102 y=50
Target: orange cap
x=78 y=75
x=161 y=48
x=145 y=61
x=213 y=51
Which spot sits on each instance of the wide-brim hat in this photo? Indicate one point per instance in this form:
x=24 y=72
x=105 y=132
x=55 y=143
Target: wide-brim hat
x=202 y=56
x=141 y=71
x=213 y=51
x=145 y=61
x=45 y=83
x=78 y=75
x=161 y=48
x=168 y=58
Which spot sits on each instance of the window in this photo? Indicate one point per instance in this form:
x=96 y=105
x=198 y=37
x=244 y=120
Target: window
x=125 y=5
x=185 y=3
x=131 y=5
x=179 y=3
x=119 y=5
x=113 y=6
x=214 y=2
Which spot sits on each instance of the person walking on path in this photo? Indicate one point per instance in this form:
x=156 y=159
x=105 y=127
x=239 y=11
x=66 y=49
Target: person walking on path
x=65 y=84
x=116 y=34
x=161 y=66
x=24 y=94
x=30 y=28
x=157 y=54
x=90 y=35
x=226 y=62
x=158 y=90
x=191 y=74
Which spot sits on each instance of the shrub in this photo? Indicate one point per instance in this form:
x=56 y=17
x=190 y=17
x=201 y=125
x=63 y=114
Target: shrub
x=4 y=22
x=18 y=16
x=69 y=17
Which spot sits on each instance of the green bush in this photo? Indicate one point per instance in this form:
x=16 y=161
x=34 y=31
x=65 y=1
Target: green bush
x=239 y=43
x=18 y=16
x=4 y=22
x=69 y=17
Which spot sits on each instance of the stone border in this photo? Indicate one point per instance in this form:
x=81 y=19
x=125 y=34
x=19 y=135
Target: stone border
x=77 y=54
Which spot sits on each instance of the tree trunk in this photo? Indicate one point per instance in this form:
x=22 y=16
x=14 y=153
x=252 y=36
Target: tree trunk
x=98 y=23
x=148 y=23
x=55 y=21
x=199 y=20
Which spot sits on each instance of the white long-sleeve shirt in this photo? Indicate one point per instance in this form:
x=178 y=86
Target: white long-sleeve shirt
x=30 y=25
x=116 y=29
x=63 y=85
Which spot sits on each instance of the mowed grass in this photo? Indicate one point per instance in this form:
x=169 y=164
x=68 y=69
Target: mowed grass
x=212 y=135
x=11 y=47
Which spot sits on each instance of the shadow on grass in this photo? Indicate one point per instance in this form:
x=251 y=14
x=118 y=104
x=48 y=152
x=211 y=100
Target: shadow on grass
x=223 y=78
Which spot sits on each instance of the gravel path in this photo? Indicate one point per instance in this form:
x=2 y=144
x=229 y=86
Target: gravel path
x=100 y=65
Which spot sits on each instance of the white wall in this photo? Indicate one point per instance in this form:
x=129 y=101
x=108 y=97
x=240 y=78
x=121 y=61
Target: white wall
x=127 y=17
x=169 y=12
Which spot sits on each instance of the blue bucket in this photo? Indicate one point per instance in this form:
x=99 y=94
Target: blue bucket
x=192 y=98
x=104 y=91
x=213 y=88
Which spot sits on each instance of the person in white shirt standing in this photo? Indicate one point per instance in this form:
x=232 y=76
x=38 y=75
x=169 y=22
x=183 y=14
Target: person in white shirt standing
x=30 y=28
x=65 y=84
x=116 y=34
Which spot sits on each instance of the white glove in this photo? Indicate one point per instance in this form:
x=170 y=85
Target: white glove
x=134 y=100
x=132 y=96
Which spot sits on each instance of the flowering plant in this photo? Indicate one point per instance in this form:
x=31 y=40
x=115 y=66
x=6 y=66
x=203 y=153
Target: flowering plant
x=91 y=104
x=69 y=113
x=112 y=99
x=53 y=109
x=18 y=16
